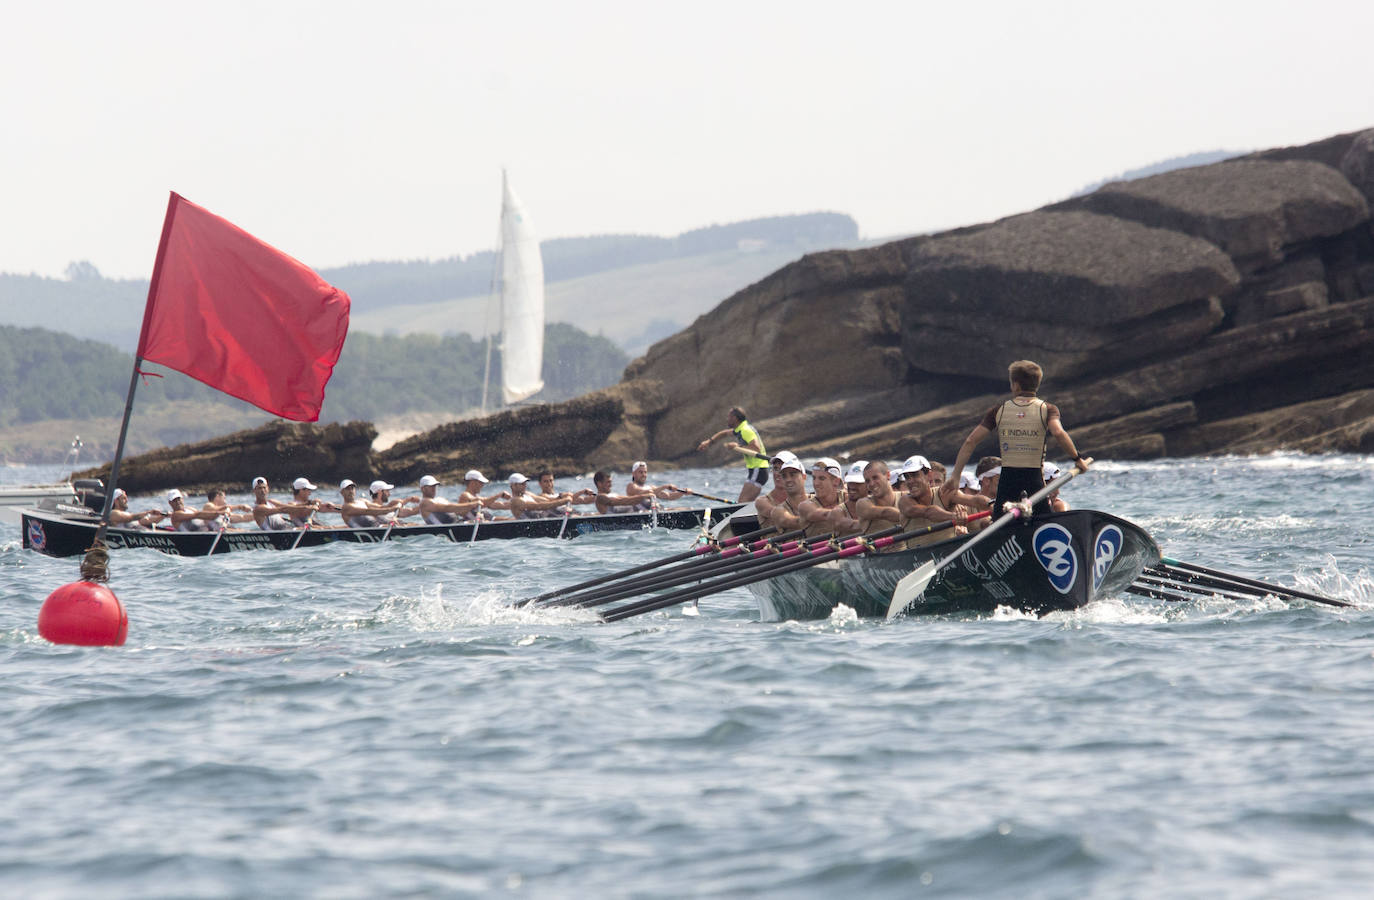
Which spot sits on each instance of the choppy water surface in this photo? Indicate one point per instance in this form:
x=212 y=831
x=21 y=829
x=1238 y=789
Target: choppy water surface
x=362 y=721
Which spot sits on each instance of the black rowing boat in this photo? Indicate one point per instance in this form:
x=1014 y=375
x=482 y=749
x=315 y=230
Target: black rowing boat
x=1052 y=562
x=69 y=531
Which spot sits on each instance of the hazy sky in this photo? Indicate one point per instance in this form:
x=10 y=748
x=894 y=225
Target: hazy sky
x=345 y=132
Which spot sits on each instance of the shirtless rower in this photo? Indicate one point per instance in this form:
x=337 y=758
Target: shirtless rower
x=639 y=486
x=547 y=490
x=435 y=510
x=1023 y=425
x=1057 y=503
x=879 y=509
x=791 y=478
x=121 y=517
x=524 y=505
x=846 y=519
x=472 y=490
x=608 y=503
x=819 y=510
x=918 y=505
x=187 y=518
x=271 y=515
x=227 y=513
x=300 y=495
x=391 y=510
x=764 y=505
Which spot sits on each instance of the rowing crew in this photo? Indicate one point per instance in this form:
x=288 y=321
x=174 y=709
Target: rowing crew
x=873 y=496
x=379 y=509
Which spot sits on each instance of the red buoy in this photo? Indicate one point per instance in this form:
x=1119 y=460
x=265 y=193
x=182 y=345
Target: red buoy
x=83 y=613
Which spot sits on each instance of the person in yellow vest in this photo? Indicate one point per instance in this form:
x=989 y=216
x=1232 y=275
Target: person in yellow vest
x=751 y=446
x=1022 y=424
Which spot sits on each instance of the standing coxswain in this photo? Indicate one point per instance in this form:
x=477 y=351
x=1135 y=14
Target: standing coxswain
x=750 y=445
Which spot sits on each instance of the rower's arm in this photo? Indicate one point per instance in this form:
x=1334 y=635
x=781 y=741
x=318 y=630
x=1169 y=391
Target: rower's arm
x=713 y=438
x=975 y=437
x=1056 y=428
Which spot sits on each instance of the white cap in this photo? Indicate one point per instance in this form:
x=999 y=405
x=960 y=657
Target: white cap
x=968 y=481
x=346 y=484
x=428 y=480
x=175 y=494
x=789 y=460
x=474 y=475
x=118 y=491
x=914 y=464
x=302 y=484
x=855 y=475
x=826 y=464
x=259 y=480
x=995 y=470
x=379 y=485
x=1051 y=472
x=517 y=478
x=641 y=464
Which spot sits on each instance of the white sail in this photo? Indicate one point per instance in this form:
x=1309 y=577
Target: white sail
x=522 y=302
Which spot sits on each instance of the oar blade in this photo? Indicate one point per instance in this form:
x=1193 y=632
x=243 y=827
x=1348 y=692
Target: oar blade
x=912 y=585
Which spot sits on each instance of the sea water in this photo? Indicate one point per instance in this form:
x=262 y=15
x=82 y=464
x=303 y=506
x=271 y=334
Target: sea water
x=377 y=720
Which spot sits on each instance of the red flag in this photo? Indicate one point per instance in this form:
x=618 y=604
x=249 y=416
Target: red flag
x=240 y=315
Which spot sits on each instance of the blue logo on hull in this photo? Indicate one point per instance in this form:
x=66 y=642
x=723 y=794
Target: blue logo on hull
x=1106 y=548
x=1054 y=548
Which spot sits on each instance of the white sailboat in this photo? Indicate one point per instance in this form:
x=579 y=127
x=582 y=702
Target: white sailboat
x=521 y=299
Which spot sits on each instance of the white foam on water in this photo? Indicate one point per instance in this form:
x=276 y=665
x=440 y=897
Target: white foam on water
x=431 y=611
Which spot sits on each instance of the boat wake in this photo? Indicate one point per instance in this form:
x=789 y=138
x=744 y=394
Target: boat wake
x=432 y=611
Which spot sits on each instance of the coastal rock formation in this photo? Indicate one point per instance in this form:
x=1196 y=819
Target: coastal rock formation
x=1072 y=290
x=1225 y=293
x=558 y=436
x=280 y=451
x=1250 y=209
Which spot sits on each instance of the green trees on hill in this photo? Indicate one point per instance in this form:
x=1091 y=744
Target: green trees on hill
x=48 y=375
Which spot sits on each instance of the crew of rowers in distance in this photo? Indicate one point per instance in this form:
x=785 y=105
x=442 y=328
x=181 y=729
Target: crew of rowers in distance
x=377 y=508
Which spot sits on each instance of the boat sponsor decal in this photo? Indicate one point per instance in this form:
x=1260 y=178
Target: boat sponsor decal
x=38 y=539
x=1006 y=556
x=125 y=539
x=1054 y=549
x=1000 y=590
x=974 y=565
x=1106 y=548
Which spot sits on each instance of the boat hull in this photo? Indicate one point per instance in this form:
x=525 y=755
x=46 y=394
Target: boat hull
x=65 y=535
x=1054 y=562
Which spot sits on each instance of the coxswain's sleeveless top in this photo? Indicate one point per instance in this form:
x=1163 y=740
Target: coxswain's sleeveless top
x=1022 y=425
x=746 y=434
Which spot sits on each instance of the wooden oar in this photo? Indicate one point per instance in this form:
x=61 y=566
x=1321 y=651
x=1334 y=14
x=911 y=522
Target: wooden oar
x=1156 y=594
x=914 y=584
x=707 y=497
x=781 y=566
x=737 y=558
x=1239 y=581
x=635 y=570
x=1148 y=582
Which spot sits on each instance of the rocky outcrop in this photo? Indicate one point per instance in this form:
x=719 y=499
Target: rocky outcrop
x=1215 y=293
x=280 y=451
x=1072 y=290
x=1251 y=209
x=1344 y=423
x=559 y=436
x=821 y=328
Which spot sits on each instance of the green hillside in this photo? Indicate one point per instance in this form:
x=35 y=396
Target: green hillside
x=601 y=284
x=53 y=386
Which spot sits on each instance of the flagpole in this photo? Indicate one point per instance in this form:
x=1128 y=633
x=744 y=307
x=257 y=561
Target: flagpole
x=133 y=377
